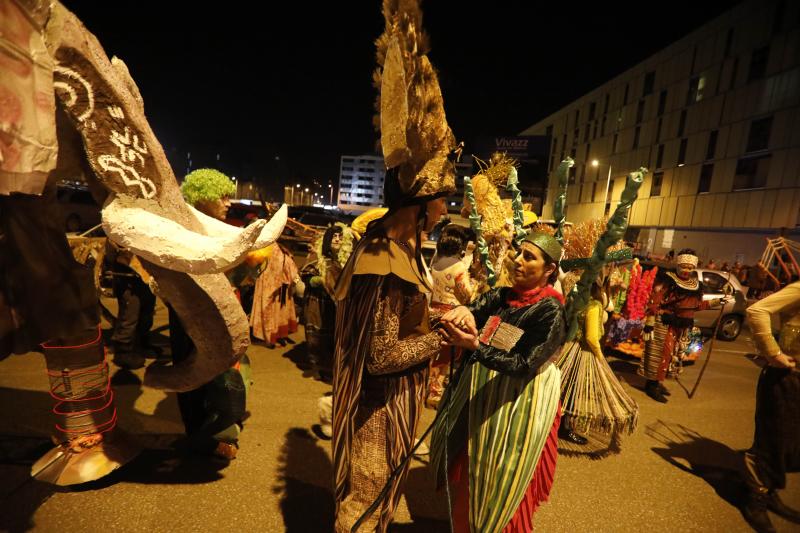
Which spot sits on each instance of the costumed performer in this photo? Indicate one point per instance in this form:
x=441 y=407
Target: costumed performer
x=328 y=255
x=384 y=340
x=776 y=443
x=48 y=301
x=273 y=317
x=670 y=316
x=593 y=399
x=496 y=436
x=213 y=414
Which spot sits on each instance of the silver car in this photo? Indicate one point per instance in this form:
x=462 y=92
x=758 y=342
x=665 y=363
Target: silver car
x=717 y=284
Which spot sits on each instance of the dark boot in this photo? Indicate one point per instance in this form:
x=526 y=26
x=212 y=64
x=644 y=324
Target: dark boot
x=125 y=356
x=653 y=389
x=775 y=505
x=755 y=512
x=665 y=391
x=567 y=434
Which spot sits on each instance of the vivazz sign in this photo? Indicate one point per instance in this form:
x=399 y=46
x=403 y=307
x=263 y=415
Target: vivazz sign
x=530 y=150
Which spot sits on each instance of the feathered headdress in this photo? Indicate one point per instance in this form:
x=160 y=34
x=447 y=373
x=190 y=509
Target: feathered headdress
x=416 y=141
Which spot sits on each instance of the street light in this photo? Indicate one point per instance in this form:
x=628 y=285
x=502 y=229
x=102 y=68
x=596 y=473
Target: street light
x=330 y=194
x=606 y=204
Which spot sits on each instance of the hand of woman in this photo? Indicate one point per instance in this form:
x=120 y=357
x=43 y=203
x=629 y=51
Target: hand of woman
x=462 y=318
x=454 y=336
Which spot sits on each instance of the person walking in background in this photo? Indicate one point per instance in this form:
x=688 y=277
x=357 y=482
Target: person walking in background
x=136 y=306
x=273 y=317
x=776 y=443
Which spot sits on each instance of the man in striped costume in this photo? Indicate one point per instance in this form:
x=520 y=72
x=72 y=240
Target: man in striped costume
x=384 y=340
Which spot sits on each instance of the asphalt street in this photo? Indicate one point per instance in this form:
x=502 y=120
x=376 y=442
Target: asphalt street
x=680 y=470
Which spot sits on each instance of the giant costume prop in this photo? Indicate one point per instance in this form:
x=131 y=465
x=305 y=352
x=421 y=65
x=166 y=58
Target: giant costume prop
x=383 y=336
x=776 y=443
x=496 y=434
x=497 y=221
x=593 y=399
x=55 y=73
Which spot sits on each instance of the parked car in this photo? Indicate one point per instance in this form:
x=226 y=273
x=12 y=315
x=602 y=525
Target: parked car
x=240 y=213
x=317 y=217
x=716 y=284
x=78 y=208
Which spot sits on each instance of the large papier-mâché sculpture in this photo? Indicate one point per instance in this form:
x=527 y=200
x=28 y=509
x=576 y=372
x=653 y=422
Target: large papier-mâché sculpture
x=184 y=250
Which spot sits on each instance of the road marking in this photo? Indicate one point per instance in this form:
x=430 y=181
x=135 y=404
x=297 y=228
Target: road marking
x=733 y=351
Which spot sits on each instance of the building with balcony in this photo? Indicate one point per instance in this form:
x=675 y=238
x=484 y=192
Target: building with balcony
x=360 y=183
x=715 y=116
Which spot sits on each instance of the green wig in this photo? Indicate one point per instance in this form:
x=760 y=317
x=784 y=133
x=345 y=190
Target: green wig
x=206 y=185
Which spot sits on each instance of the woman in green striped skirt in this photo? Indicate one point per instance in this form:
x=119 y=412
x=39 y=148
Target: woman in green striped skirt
x=496 y=439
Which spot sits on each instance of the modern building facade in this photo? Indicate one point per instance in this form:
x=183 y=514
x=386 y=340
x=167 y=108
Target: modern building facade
x=360 y=183
x=715 y=117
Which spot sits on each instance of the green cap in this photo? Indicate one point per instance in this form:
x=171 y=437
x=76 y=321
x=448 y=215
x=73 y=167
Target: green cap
x=547 y=243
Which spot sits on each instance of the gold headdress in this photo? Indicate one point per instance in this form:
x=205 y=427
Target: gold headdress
x=415 y=139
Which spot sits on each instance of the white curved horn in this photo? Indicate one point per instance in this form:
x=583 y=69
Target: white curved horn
x=272 y=230
x=133 y=224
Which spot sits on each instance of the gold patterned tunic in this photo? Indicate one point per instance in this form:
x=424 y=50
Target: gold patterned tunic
x=383 y=345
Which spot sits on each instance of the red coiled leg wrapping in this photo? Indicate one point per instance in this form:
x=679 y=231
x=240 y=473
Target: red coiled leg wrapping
x=81 y=386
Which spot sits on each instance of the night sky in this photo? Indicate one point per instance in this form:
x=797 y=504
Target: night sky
x=253 y=85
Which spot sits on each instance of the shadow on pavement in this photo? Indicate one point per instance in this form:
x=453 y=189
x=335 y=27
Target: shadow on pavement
x=304 y=480
x=714 y=462
x=305 y=475
x=25 y=426
x=426 y=505
x=626 y=369
x=298 y=354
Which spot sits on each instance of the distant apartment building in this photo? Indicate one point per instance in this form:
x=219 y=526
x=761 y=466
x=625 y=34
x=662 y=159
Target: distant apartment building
x=715 y=116
x=360 y=183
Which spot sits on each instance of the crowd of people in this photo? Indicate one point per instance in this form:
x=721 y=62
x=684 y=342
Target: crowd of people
x=505 y=334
